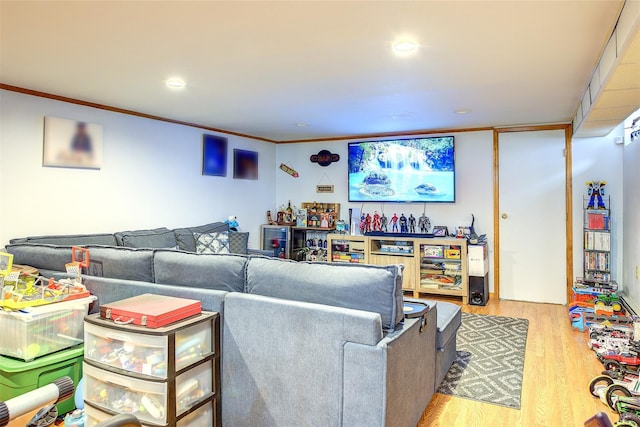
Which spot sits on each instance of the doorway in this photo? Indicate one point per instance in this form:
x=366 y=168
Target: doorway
x=532 y=216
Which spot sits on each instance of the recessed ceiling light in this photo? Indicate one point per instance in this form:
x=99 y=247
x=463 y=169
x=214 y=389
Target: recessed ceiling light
x=463 y=111
x=405 y=46
x=302 y=125
x=175 y=83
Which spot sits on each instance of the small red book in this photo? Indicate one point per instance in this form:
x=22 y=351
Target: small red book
x=596 y=221
x=150 y=310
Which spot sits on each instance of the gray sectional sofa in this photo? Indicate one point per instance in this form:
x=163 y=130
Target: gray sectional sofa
x=303 y=344
x=179 y=238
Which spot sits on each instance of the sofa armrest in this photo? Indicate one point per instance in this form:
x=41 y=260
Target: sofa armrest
x=392 y=383
x=283 y=360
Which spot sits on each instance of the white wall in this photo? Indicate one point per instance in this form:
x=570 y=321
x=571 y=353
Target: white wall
x=598 y=159
x=474 y=184
x=632 y=221
x=150 y=177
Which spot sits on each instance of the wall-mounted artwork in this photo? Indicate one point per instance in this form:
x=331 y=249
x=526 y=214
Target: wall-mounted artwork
x=72 y=144
x=245 y=164
x=214 y=155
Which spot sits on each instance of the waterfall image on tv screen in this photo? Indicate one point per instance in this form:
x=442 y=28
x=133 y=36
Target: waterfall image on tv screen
x=402 y=170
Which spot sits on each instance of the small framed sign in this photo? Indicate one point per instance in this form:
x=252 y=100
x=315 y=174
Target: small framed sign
x=324 y=188
x=440 y=231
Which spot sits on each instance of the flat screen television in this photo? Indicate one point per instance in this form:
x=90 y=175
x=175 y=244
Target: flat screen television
x=403 y=170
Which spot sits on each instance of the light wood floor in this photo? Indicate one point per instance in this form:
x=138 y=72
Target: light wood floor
x=557 y=369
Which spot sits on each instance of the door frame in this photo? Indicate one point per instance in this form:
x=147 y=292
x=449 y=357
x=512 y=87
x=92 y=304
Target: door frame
x=568 y=133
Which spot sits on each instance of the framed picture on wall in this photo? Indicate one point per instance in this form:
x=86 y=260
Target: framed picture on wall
x=245 y=164
x=214 y=155
x=72 y=144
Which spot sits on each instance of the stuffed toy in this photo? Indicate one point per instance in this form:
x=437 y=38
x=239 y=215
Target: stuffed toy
x=595 y=190
x=232 y=222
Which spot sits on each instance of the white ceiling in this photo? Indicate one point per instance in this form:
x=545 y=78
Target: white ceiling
x=260 y=67
x=614 y=90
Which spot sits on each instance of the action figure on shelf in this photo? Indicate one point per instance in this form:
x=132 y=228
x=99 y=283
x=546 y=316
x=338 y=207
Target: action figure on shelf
x=394 y=223
x=367 y=223
x=377 y=223
x=383 y=223
x=595 y=190
x=362 y=224
x=403 y=224
x=270 y=220
x=412 y=223
x=424 y=223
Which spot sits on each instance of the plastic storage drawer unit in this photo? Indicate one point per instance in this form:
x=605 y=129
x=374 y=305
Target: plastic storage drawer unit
x=155 y=402
x=38 y=331
x=201 y=416
x=18 y=377
x=155 y=352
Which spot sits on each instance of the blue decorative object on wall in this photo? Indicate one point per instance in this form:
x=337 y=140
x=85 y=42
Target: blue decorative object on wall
x=214 y=155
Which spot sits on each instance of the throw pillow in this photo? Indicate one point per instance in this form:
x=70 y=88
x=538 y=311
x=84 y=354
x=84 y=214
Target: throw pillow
x=238 y=242
x=212 y=243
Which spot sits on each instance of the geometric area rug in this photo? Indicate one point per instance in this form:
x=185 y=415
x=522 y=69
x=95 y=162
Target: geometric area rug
x=490 y=360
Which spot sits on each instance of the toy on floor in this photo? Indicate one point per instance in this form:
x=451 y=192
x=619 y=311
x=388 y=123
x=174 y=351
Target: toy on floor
x=611 y=385
x=613 y=360
x=21 y=410
x=628 y=408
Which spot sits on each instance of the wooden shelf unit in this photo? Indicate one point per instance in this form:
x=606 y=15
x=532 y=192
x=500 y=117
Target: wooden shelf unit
x=435 y=272
x=347 y=249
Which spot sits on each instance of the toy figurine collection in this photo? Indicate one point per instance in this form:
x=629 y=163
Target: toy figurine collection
x=398 y=224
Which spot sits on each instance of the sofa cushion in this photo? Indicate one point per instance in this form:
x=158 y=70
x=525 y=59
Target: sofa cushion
x=71 y=239
x=110 y=290
x=239 y=242
x=119 y=262
x=41 y=256
x=156 y=238
x=225 y=272
x=216 y=242
x=370 y=288
x=448 y=322
x=185 y=239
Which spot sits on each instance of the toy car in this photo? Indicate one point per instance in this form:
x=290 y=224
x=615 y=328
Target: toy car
x=610 y=389
x=598 y=329
x=628 y=408
x=598 y=386
x=613 y=361
x=611 y=300
x=605 y=343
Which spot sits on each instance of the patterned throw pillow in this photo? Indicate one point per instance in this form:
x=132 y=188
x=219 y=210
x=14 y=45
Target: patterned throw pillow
x=212 y=243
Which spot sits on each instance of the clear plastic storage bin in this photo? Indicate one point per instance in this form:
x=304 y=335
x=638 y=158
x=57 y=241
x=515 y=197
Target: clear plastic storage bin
x=38 y=331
